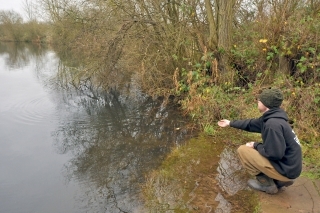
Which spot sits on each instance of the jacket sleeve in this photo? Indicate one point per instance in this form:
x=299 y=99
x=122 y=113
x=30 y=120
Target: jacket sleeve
x=250 y=125
x=273 y=146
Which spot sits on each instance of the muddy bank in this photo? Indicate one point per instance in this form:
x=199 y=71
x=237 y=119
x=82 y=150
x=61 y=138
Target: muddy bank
x=205 y=175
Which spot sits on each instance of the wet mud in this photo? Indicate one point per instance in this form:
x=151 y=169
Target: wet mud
x=205 y=175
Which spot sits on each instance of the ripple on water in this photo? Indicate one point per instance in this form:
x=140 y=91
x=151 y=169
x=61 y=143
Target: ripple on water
x=30 y=111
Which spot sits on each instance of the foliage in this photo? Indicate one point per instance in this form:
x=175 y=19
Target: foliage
x=301 y=47
x=148 y=38
x=9 y=19
x=12 y=28
x=282 y=43
x=311 y=162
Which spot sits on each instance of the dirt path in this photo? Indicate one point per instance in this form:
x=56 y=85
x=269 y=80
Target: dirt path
x=302 y=197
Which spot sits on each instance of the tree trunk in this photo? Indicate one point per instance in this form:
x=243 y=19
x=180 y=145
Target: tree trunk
x=220 y=21
x=212 y=26
x=225 y=16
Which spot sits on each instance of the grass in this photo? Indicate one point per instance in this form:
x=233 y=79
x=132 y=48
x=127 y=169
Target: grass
x=311 y=162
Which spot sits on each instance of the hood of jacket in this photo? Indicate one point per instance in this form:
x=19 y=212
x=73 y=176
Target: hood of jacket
x=275 y=113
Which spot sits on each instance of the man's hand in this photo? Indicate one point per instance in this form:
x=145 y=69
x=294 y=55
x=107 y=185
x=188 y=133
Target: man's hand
x=250 y=144
x=224 y=123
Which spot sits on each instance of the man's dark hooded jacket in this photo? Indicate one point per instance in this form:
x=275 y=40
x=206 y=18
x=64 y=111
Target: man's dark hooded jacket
x=280 y=144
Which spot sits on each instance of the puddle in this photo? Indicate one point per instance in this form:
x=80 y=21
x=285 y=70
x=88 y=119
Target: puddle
x=224 y=205
x=231 y=175
x=201 y=176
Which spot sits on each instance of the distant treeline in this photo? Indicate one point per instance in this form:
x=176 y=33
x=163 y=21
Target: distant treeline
x=12 y=28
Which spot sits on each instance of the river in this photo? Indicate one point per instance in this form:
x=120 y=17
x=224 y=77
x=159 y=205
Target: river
x=65 y=149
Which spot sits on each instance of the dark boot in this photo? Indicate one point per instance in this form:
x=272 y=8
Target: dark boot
x=263 y=183
x=281 y=184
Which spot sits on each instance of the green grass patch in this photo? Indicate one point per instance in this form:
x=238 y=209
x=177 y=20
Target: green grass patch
x=311 y=153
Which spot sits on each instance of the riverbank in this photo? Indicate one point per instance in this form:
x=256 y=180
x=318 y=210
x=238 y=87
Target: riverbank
x=205 y=175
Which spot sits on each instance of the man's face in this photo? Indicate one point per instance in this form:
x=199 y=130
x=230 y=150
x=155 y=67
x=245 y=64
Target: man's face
x=262 y=108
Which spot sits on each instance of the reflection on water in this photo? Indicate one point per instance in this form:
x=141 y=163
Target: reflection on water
x=224 y=206
x=17 y=55
x=113 y=146
x=205 y=175
x=67 y=149
x=230 y=172
x=230 y=179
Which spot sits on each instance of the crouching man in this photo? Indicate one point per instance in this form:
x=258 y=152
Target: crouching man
x=277 y=161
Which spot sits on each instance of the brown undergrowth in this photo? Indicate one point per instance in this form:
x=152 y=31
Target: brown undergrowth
x=206 y=104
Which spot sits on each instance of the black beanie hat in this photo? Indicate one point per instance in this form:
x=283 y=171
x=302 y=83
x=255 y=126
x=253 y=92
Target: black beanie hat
x=271 y=98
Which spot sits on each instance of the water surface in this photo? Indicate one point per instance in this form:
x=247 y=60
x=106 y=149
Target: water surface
x=66 y=149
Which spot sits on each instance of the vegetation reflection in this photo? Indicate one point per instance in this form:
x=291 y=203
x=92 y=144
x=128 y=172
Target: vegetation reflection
x=114 y=138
